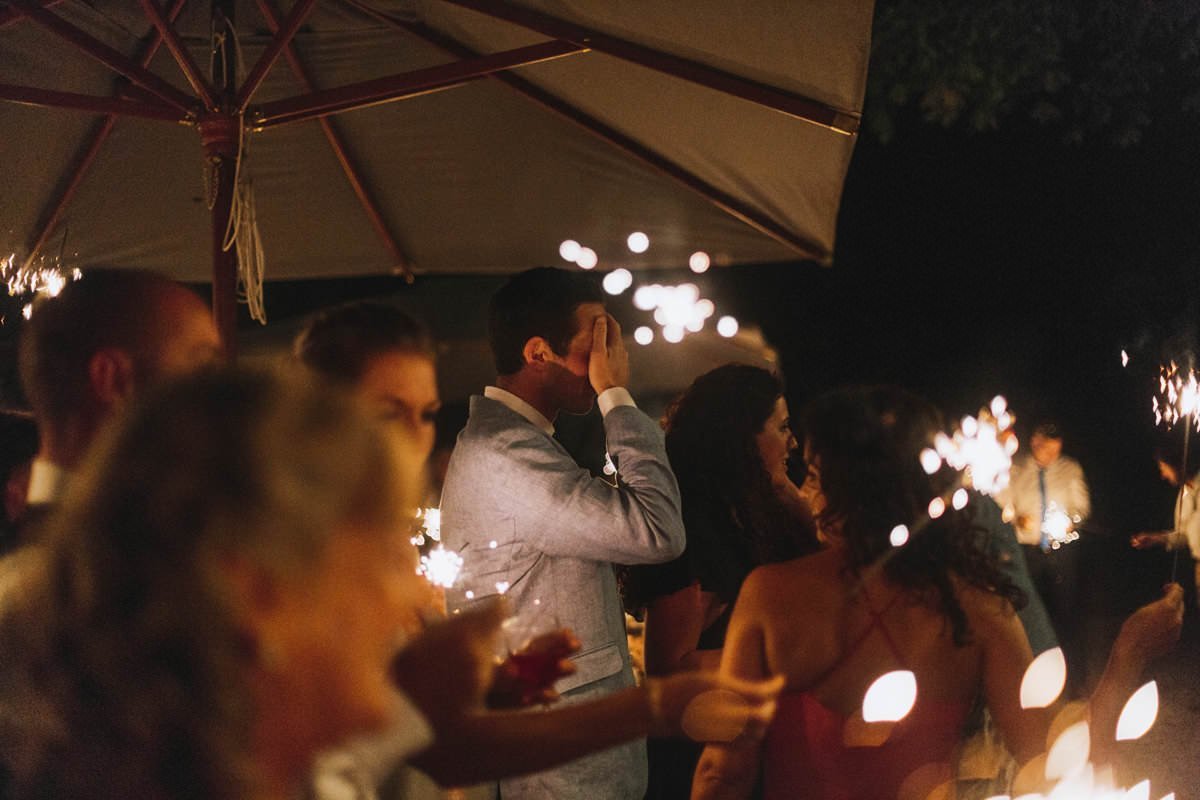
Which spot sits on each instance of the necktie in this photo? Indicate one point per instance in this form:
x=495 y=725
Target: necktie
x=1045 y=540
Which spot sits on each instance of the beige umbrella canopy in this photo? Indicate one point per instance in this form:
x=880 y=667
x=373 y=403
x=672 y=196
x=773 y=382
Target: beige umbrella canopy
x=446 y=136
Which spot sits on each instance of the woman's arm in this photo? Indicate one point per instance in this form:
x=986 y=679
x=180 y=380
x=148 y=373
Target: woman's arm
x=674 y=623
x=730 y=770
x=487 y=746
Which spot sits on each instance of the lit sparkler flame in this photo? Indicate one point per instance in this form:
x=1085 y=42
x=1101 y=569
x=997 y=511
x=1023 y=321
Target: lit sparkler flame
x=43 y=280
x=1059 y=526
x=982 y=448
x=441 y=567
x=1178 y=398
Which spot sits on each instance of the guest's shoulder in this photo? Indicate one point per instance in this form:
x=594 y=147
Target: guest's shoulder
x=769 y=583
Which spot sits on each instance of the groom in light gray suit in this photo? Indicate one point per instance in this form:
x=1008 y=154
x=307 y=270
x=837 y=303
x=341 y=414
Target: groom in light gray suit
x=530 y=521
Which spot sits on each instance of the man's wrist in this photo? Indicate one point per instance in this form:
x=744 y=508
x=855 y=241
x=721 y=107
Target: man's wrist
x=613 y=397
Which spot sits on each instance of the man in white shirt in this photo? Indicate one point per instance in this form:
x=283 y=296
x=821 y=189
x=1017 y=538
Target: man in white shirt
x=1185 y=533
x=532 y=523
x=1048 y=500
x=85 y=353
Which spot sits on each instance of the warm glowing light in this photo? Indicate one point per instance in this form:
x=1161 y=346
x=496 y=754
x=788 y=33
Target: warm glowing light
x=899 y=536
x=937 y=507
x=1178 y=398
x=1124 y=359
x=502 y=586
x=441 y=567
x=1139 y=713
x=587 y=258
x=569 y=250
x=706 y=307
x=1069 y=753
x=1139 y=791
x=931 y=462
x=618 y=281
x=673 y=333
x=699 y=262
x=493 y=544
x=643 y=335
x=982 y=448
x=431 y=522
x=727 y=327
x=959 y=501
x=890 y=697
x=638 y=242
x=1044 y=679
x=646 y=297
x=1058 y=526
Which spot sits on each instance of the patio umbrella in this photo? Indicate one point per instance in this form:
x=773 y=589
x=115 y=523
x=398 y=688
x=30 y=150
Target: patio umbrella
x=132 y=126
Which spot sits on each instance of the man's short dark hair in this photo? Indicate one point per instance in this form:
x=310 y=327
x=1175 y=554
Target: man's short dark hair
x=105 y=308
x=1048 y=429
x=537 y=302
x=339 y=342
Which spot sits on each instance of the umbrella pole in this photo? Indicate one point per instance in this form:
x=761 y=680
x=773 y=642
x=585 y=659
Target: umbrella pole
x=220 y=134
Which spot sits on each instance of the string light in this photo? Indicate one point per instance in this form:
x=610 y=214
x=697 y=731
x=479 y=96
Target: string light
x=643 y=335
x=618 y=281
x=569 y=250
x=727 y=327
x=638 y=242
x=699 y=262
x=587 y=258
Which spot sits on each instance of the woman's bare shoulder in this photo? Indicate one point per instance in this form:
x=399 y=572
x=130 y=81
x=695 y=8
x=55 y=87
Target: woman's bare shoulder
x=766 y=585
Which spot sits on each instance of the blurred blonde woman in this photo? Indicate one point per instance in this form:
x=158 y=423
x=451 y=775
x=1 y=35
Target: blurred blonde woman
x=216 y=600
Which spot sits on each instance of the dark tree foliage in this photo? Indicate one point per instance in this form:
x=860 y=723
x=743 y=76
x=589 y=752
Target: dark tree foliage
x=1103 y=69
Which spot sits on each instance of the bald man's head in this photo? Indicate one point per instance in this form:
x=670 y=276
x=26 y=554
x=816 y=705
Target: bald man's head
x=106 y=336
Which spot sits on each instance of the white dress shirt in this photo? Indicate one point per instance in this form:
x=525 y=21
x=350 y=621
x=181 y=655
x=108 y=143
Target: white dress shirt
x=606 y=401
x=1066 y=490
x=1187 y=520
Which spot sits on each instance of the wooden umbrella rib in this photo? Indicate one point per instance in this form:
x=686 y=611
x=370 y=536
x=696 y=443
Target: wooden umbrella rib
x=35 y=96
x=407 y=84
x=10 y=15
x=183 y=58
x=646 y=155
x=87 y=154
x=337 y=144
x=283 y=34
x=93 y=47
x=773 y=97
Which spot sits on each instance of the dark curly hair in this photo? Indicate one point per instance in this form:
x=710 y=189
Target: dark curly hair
x=733 y=516
x=866 y=444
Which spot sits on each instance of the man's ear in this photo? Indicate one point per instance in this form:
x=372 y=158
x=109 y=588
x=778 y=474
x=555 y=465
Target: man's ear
x=538 y=351
x=111 y=376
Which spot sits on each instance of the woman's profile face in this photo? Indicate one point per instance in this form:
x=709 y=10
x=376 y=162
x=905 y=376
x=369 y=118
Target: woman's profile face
x=810 y=492
x=776 y=443
x=402 y=387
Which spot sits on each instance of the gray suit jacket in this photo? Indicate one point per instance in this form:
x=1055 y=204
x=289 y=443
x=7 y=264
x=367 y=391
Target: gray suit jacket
x=556 y=532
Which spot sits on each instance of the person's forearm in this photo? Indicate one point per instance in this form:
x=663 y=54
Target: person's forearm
x=489 y=746
x=1120 y=679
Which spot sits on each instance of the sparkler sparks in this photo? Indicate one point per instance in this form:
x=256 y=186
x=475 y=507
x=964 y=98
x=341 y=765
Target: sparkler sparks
x=1059 y=526
x=43 y=280
x=1178 y=398
x=441 y=567
x=982 y=449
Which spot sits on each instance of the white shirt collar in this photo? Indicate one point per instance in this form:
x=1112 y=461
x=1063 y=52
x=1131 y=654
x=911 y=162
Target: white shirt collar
x=47 y=482
x=521 y=407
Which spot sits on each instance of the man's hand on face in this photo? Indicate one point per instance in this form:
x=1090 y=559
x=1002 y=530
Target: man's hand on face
x=609 y=362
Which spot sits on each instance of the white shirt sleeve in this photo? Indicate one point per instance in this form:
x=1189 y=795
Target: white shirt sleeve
x=611 y=398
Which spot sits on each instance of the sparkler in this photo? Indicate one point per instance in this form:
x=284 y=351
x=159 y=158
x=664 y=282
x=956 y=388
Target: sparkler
x=1177 y=403
x=43 y=280
x=441 y=567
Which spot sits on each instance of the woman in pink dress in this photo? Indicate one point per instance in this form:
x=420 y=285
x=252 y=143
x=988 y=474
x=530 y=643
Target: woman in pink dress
x=937 y=606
